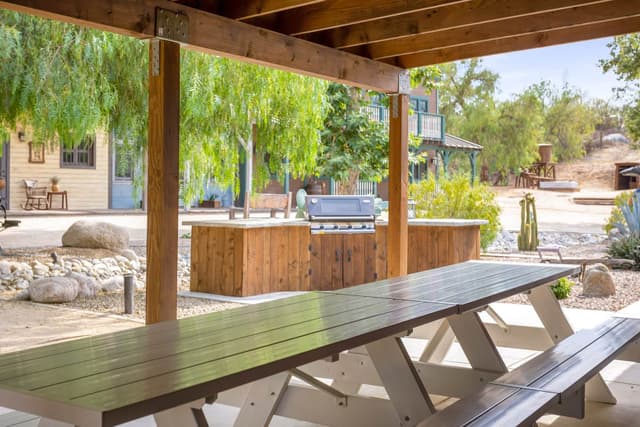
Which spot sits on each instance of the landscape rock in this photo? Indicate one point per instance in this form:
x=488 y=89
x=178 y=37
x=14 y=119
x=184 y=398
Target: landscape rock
x=96 y=235
x=130 y=255
x=598 y=282
x=113 y=284
x=53 y=289
x=87 y=286
x=5 y=268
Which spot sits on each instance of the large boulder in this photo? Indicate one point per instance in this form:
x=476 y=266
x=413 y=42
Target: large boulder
x=53 y=289
x=96 y=235
x=598 y=282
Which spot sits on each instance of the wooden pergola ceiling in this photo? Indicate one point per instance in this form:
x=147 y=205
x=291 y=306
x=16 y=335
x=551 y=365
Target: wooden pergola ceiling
x=367 y=44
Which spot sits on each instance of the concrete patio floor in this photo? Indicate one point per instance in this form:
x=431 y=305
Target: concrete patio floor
x=623 y=378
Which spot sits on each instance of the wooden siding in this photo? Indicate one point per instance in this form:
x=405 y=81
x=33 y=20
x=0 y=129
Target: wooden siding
x=86 y=188
x=249 y=261
x=432 y=247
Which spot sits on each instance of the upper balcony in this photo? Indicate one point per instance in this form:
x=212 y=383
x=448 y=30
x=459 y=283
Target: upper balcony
x=428 y=126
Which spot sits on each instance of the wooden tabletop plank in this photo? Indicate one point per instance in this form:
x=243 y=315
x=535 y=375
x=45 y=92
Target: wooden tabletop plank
x=80 y=364
x=220 y=319
x=70 y=381
x=470 y=284
x=219 y=375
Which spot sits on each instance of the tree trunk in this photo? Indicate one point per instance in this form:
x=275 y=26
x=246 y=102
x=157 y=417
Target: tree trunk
x=350 y=185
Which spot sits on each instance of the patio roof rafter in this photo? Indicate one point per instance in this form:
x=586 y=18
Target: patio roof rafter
x=487 y=31
x=337 y=13
x=521 y=42
x=444 y=18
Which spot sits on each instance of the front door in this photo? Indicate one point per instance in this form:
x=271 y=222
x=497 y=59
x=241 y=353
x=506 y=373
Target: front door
x=122 y=169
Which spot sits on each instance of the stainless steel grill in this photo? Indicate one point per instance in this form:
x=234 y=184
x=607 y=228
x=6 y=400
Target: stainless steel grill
x=341 y=214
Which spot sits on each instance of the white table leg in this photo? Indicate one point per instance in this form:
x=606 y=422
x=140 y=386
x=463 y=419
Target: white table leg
x=262 y=401
x=46 y=422
x=401 y=381
x=550 y=313
x=476 y=342
x=439 y=345
x=189 y=415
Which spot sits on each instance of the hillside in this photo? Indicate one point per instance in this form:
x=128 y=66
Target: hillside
x=595 y=171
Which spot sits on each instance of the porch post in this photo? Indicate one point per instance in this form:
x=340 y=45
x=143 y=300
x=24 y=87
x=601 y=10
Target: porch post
x=162 y=170
x=473 y=157
x=397 y=240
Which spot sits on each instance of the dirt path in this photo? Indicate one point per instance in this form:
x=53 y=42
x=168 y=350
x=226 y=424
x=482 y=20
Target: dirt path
x=25 y=324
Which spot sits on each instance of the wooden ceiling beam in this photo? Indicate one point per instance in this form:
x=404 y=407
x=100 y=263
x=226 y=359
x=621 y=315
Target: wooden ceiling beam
x=522 y=42
x=594 y=13
x=439 y=19
x=254 y=8
x=220 y=36
x=335 y=13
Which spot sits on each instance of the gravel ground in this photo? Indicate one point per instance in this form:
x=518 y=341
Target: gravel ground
x=627 y=281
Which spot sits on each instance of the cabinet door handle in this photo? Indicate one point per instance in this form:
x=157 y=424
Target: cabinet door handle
x=348 y=255
x=337 y=255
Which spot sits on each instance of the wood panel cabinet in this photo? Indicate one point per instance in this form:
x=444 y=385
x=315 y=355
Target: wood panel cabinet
x=342 y=260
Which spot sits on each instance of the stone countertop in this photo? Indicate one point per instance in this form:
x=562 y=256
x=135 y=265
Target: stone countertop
x=444 y=222
x=249 y=223
x=281 y=222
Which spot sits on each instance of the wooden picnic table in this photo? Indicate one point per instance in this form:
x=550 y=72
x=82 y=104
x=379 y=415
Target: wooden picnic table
x=169 y=369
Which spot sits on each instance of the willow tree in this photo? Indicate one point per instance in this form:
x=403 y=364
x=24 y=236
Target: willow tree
x=67 y=82
x=273 y=116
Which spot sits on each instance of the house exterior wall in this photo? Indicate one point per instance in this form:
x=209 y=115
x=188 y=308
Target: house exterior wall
x=87 y=188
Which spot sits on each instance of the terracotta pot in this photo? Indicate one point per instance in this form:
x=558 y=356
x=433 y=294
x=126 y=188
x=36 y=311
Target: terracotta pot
x=55 y=188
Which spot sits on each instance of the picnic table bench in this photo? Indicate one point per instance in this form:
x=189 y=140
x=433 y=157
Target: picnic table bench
x=172 y=368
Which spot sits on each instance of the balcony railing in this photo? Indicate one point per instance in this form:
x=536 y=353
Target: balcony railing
x=424 y=125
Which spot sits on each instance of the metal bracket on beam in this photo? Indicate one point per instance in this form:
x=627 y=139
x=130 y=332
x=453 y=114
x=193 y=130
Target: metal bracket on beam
x=341 y=398
x=172 y=25
x=404 y=83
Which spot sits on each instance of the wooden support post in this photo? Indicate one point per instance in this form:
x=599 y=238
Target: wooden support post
x=397 y=243
x=162 y=216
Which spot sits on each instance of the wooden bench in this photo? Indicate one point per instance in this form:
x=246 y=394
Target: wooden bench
x=172 y=368
x=554 y=381
x=266 y=202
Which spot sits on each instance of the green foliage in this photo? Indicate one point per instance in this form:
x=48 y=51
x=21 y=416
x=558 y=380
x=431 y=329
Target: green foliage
x=66 y=82
x=456 y=198
x=616 y=213
x=353 y=146
x=562 y=288
x=528 y=236
x=568 y=123
x=630 y=224
x=627 y=247
x=624 y=61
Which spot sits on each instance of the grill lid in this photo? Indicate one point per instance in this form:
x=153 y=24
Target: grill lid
x=340 y=208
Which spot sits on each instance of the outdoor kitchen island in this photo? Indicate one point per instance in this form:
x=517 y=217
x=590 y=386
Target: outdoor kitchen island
x=253 y=256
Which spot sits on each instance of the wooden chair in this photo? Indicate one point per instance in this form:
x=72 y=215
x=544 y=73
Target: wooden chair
x=36 y=196
x=270 y=202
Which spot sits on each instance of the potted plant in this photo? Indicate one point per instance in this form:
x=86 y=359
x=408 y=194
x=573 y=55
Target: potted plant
x=54 y=184
x=216 y=201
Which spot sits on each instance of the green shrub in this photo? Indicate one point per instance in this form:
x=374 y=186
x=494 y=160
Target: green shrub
x=616 y=213
x=627 y=247
x=456 y=198
x=562 y=288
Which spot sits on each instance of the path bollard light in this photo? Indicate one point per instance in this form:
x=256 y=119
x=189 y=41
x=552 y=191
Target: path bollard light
x=129 y=288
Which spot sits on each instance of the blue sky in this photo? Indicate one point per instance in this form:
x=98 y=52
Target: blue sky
x=575 y=63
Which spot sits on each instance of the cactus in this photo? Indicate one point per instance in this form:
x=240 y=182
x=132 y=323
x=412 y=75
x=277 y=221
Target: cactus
x=528 y=237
